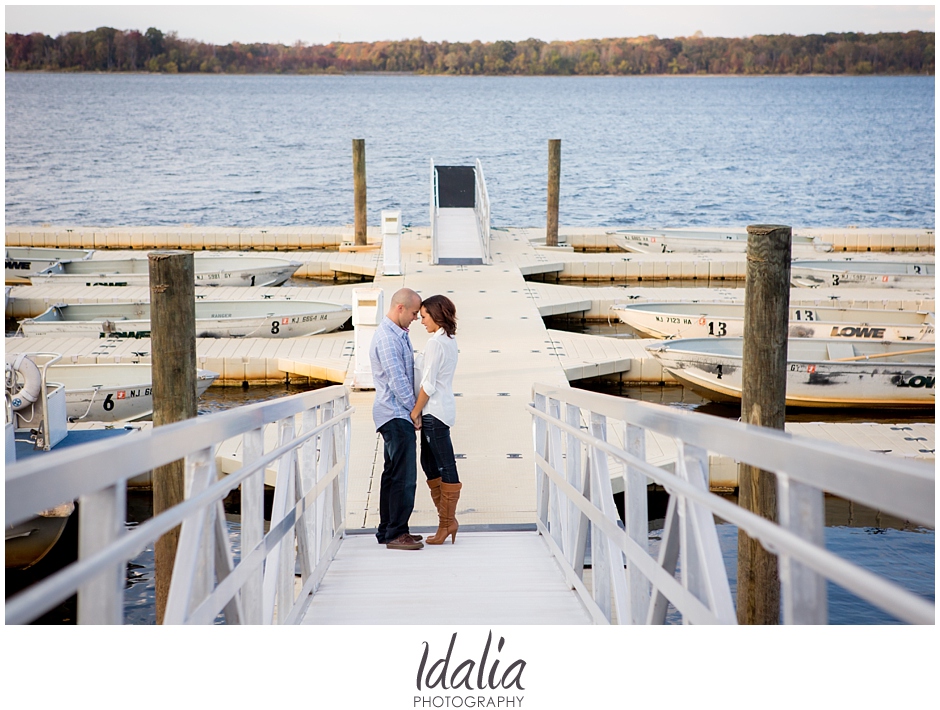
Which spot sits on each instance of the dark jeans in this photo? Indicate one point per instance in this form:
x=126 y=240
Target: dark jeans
x=437 y=451
x=399 y=478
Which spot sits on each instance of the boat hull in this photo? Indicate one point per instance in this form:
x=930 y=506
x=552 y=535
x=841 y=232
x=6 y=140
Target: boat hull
x=112 y=402
x=722 y=320
x=275 y=325
x=705 y=241
x=862 y=275
x=22 y=262
x=210 y=271
x=822 y=383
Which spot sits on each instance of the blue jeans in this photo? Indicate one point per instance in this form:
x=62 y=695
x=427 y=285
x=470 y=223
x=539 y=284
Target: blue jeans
x=437 y=451
x=399 y=478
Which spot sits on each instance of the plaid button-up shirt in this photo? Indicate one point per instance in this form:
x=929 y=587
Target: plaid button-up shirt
x=393 y=372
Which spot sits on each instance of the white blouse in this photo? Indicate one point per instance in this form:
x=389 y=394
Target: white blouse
x=437 y=376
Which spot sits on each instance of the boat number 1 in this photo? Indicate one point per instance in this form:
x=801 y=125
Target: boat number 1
x=275 y=327
x=722 y=328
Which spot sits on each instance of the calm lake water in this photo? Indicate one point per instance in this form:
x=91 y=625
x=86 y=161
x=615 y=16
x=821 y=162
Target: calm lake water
x=660 y=151
x=652 y=151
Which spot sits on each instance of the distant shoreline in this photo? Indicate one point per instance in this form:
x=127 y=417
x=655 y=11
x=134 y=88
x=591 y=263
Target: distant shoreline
x=464 y=76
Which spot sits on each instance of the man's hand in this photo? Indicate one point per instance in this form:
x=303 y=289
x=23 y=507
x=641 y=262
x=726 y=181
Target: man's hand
x=416 y=419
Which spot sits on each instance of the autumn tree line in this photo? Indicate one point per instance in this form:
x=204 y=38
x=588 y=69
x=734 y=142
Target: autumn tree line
x=109 y=50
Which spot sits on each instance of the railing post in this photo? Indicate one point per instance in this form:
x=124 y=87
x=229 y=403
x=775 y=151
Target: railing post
x=252 y=510
x=359 y=189
x=101 y=522
x=173 y=369
x=554 y=182
x=573 y=476
x=636 y=521
x=763 y=402
x=556 y=514
x=802 y=511
x=540 y=444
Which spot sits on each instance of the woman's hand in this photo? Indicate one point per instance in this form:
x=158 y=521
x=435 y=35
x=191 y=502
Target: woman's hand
x=416 y=418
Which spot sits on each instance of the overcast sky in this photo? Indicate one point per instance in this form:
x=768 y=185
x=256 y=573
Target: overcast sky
x=224 y=23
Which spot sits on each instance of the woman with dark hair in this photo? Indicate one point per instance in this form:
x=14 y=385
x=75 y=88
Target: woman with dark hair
x=434 y=413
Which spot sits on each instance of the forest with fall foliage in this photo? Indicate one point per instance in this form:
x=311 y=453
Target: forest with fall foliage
x=109 y=50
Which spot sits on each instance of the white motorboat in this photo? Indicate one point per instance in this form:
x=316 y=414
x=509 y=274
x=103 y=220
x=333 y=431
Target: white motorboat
x=868 y=274
x=706 y=319
x=36 y=423
x=665 y=241
x=112 y=392
x=214 y=319
x=210 y=271
x=23 y=262
x=820 y=373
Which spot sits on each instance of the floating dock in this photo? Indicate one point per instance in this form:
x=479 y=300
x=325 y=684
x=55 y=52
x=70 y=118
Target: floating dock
x=504 y=348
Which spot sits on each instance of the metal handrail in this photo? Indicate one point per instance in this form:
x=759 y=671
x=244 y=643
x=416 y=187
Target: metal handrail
x=307 y=520
x=435 y=206
x=482 y=210
x=571 y=500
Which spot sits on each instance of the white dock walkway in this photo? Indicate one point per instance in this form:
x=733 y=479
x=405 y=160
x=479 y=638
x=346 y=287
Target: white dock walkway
x=485 y=578
x=458 y=236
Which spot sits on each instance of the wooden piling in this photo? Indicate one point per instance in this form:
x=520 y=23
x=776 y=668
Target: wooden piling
x=763 y=402
x=359 y=188
x=173 y=369
x=554 y=182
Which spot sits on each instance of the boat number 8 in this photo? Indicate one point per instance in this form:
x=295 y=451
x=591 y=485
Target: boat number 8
x=722 y=328
x=275 y=327
x=108 y=403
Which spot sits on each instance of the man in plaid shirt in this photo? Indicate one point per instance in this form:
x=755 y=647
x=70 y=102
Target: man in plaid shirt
x=392 y=359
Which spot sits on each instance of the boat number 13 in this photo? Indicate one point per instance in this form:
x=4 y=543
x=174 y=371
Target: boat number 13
x=722 y=328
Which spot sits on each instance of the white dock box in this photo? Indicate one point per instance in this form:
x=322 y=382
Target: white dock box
x=391 y=242
x=368 y=310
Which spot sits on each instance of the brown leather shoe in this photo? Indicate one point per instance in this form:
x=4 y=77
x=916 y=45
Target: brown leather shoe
x=416 y=537
x=404 y=542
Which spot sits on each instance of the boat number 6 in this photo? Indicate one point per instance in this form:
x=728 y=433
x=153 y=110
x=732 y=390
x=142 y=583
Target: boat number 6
x=108 y=403
x=275 y=327
x=722 y=328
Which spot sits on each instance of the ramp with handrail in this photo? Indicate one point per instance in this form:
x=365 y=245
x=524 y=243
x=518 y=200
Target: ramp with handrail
x=460 y=215
x=307 y=520
x=577 y=513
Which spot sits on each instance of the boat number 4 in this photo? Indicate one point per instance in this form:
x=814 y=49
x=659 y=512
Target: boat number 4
x=721 y=329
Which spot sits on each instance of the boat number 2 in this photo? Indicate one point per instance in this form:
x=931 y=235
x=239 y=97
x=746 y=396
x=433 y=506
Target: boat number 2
x=275 y=327
x=721 y=330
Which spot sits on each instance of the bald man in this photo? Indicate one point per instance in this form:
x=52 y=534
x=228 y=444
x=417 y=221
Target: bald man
x=392 y=359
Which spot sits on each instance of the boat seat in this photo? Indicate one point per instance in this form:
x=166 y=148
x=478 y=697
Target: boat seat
x=838 y=351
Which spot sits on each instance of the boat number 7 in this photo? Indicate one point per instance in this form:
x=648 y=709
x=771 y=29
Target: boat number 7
x=722 y=328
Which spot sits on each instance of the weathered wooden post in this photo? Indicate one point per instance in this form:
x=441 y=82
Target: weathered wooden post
x=763 y=402
x=359 y=189
x=554 y=181
x=173 y=367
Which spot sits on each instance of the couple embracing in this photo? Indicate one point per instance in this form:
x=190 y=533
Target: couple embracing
x=406 y=402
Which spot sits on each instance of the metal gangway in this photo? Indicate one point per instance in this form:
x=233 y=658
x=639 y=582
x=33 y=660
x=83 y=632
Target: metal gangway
x=460 y=215
x=581 y=563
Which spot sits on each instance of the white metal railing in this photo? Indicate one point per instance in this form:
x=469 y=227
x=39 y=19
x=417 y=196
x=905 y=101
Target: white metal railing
x=435 y=208
x=575 y=498
x=311 y=459
x=481 y=208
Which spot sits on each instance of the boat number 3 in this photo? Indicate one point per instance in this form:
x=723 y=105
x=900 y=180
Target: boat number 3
x=721 y=330
x=275 y=327
x=835 y=279
x=108 y=403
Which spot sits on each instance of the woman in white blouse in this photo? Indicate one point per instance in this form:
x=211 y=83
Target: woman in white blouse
x=435 y=411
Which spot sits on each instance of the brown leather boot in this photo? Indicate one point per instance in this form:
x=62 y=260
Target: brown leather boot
x=435 y=485
x=450 y=494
